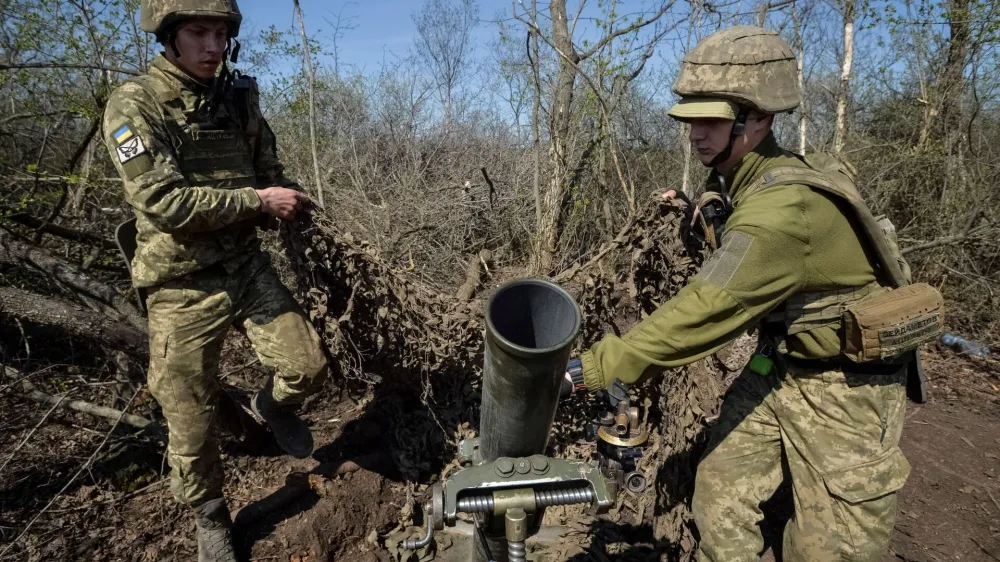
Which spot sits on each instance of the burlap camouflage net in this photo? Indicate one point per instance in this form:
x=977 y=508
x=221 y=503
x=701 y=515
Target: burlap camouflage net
x=398 y=335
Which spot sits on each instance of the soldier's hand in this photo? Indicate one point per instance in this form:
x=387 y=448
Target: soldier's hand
x=284 y=203
x=672 y=194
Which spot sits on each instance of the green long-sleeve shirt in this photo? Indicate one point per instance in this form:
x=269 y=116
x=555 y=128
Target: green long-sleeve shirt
x=780 y=241
x=190 y=173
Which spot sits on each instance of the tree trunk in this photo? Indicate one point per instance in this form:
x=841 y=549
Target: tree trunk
x=801 y=62
x=953 y=83
x=307 y=59
x=536 y=115
x=953 y=93
x=844 y=91
x=559 y=130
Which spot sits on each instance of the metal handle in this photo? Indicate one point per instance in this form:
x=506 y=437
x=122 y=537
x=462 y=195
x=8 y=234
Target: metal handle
x=417 y=544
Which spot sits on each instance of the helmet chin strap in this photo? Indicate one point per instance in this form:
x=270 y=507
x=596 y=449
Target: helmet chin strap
x=739 y=126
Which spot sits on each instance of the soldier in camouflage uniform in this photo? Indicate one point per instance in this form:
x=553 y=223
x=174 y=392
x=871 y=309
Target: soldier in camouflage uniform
x=791 y=257
x=201 y=172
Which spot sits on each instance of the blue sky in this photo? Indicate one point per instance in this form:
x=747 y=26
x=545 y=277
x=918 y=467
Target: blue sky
x=382 y=30
x=381 y=27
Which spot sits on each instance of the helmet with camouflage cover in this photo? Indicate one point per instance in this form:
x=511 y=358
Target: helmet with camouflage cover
x=158 y=16
x=740 y=67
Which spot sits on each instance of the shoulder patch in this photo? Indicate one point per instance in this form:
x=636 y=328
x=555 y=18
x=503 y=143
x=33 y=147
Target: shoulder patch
x=720 y=268
x=129 y=148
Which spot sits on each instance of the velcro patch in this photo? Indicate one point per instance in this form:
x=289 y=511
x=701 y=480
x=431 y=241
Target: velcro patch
x=720 y=268
x=130 y=149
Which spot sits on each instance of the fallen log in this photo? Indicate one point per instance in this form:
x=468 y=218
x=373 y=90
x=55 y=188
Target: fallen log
x=29 y=391
x=98 y=295
x=474 y=274
x=73 y=320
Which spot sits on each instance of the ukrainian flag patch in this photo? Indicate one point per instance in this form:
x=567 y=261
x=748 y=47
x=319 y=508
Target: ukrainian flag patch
x=123 y=134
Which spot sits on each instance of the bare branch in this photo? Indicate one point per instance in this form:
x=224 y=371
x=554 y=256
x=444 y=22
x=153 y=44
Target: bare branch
x=67 y=65
x=30 y=433
x=30 y=221
x=626 y=30
x=307 y=60
x=83 y=468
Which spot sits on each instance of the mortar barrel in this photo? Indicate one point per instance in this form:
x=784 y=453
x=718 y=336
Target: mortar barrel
x=530 y=328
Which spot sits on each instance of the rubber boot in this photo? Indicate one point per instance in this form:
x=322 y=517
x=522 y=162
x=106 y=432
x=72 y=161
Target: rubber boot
x=291 y=433
x=215 y=532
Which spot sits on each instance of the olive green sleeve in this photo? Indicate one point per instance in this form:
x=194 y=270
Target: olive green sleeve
x=753 y=272
x=140 y=148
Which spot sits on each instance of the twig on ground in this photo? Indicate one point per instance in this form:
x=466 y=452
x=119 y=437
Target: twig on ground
x=983 y=548
x=124 y=497
x=31 y=393
x=32 y=432
x=84 y=467
x=995 y=502
x=238 y=369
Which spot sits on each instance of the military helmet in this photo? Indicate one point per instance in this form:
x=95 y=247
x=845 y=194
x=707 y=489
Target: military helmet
x=157 y=16
x=741 y=66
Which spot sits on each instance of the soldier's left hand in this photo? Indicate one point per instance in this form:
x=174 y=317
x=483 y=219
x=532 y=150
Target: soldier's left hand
x=284 y=203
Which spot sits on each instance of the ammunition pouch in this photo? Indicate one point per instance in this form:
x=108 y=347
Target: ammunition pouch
x=892 y=322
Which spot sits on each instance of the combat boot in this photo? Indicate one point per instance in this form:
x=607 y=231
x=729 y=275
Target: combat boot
x=291 y=433
x=215 y=532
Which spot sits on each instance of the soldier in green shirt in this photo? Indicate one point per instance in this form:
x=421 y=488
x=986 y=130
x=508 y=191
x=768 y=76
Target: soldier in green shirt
x=791 y=257
x=201 y=172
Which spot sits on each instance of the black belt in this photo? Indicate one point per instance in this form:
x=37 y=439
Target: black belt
x=844 y=364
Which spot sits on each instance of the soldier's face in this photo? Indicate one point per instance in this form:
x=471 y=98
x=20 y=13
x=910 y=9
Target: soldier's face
x=709 y=137
x=201 y=43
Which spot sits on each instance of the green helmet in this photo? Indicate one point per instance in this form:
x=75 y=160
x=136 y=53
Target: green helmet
x=740 y=66
x=157 y=16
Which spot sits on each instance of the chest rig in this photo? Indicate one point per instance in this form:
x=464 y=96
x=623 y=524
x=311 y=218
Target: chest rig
x=884 y=321
x=214 y=133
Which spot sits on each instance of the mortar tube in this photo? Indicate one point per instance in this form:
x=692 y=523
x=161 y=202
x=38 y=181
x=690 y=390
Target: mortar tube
x=530 y=328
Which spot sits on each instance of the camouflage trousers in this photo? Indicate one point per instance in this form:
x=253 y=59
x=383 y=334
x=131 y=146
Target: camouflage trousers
x=835 y=435
x=188 y=322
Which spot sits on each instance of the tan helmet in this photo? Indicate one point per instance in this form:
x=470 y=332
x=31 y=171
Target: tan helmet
x=740 y=66
x=159 y=15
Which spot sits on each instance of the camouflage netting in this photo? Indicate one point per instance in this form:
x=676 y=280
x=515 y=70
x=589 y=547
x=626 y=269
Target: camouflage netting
x=398 y=336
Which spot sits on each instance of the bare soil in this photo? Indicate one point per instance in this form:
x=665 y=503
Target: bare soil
x=346 y=501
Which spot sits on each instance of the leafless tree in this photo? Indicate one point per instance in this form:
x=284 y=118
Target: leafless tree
x=443 y=41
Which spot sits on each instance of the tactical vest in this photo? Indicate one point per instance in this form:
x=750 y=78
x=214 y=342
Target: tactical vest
x=881 y=321
x=212 y=150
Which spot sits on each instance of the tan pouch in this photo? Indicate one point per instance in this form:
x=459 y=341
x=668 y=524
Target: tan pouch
x=889 y=323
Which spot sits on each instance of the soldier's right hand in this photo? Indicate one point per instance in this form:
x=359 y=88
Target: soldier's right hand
x=283 y=203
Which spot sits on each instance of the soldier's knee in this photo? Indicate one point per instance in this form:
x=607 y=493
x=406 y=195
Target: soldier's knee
x=317 y=366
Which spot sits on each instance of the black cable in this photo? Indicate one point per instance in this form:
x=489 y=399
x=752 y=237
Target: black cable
x=482 y=539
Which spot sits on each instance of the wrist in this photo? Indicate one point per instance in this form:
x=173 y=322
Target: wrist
x=575 y=370
x=261 y=206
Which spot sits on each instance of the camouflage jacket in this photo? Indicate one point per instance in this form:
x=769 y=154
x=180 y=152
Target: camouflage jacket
x=190 y=171
x=783 y=246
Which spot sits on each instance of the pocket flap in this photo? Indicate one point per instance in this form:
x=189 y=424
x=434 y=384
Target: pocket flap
x=870 y=480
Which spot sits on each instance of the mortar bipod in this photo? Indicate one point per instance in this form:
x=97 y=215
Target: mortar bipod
x=516 y=490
